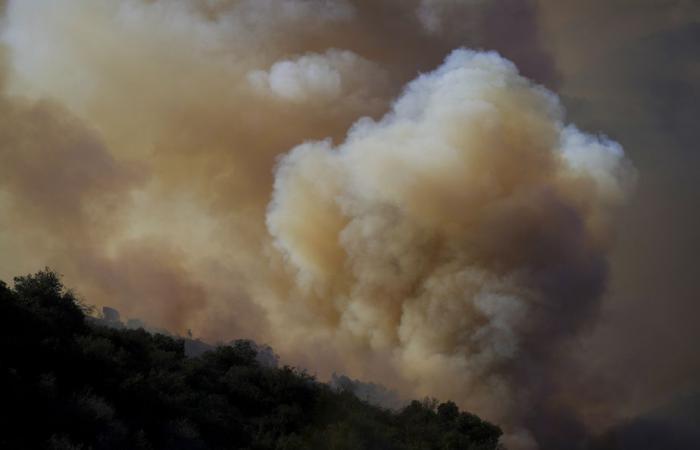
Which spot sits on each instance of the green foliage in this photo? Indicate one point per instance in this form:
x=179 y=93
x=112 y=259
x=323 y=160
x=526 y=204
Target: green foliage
x=70 y=384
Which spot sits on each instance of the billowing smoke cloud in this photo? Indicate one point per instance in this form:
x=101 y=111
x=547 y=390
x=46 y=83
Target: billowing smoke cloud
x=190 y=93
x=462 y=234
x=335 y=75
x=162 y=84
x=448 y=244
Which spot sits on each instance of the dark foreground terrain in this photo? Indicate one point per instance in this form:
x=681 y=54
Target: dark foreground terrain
x=67 y=382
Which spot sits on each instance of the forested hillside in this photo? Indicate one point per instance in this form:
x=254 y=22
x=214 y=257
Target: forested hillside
x=70 y=383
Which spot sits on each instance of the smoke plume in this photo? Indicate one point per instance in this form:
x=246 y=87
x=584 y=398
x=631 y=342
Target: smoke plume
x=331 y=177
x=462 y=235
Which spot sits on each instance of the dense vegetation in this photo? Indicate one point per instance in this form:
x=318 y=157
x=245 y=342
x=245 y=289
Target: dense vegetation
x=69 y=383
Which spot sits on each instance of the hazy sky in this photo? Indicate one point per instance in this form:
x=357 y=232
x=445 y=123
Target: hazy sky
x=492 y=201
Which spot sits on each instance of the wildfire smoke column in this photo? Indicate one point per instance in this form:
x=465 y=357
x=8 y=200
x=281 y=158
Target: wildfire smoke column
x=464 y=235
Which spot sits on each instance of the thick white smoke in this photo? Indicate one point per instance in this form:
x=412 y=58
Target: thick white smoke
x=444 y=250
x=462 y=235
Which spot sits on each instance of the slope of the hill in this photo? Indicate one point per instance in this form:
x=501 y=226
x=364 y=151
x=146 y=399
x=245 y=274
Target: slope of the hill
x=67 y=383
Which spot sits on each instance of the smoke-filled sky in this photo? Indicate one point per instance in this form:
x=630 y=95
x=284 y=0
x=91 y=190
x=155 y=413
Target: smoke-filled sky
x=490 y=201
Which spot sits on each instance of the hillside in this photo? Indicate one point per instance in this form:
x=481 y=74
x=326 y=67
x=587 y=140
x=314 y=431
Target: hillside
x=70 y=383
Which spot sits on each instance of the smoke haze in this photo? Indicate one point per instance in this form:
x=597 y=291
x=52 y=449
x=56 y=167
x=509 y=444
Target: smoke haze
x=348 y=182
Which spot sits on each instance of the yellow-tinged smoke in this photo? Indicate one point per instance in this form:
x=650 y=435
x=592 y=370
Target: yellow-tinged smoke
x=461 y=235
x=444 y=249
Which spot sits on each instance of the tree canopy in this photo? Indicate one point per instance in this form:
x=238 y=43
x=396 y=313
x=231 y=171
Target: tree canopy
x=69 y=383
